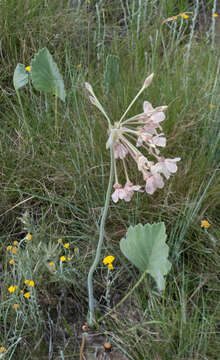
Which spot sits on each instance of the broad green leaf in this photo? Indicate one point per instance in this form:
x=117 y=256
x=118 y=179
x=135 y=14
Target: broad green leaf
x=45 y=74
x=20 y=77
x=145 y=246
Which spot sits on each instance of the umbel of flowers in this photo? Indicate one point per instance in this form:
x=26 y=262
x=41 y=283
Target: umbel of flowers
x=128 y=138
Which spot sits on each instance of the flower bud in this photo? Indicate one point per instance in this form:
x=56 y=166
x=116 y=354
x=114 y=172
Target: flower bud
x=148 y=80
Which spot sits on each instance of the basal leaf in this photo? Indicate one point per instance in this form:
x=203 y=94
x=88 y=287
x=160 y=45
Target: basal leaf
x=45 y=74
x=145 y=246
x=20 y=77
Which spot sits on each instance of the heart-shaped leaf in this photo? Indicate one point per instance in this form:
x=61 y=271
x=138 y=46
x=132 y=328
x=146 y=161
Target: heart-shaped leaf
x=20 y=77
x=45 y=74
x=145 y=246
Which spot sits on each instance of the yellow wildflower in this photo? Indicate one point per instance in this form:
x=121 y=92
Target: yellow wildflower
x=15 y=306
x=11 y=262
x=66 y=245
x=110 y=266
x=184 y=16
x=26 y=282
x=28 y=236
x=14 y=250
x=12 y=288
x=79 y=66
x=205 y=224
x=108 y=259
x=21 y=292
x=28 y=68
x=27 y=295
x=63 y=258
x=59 y=241
x=51 y=263
x=212 y=106
x=15 y=243
x=9 y=247
x=215 y=15
x=2 y=349
x=31 y=283
x=69 y=258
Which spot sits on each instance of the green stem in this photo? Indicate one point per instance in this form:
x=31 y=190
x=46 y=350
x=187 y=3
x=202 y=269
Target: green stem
x=24 y=118
x=125 y=297
x=100 y=242
x=55 y=110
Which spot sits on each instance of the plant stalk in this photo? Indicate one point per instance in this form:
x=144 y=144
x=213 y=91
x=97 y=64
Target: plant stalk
x=100 y=242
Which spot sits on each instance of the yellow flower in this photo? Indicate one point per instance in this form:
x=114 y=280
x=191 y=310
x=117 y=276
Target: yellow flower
x=26 y=282
x=12 y=288
x=69 y=258
x=31 y=283
x=59 y=241
x=212 y=106
x=76 y=250
x=79 y=66
x=205 y=224
x=108 y=259
x=28 y=236
x=2 y=350
x=215 y=15
x=15 y=306
x=184 y=16
x=14 y=250
x=66 y=245
x=9 y=247
x=11 y=262
x=63 y=258
x=27 y=295
x=51 y=263
x=28 y=68
x=21 y=292
x=15 y=243
x=110 y=267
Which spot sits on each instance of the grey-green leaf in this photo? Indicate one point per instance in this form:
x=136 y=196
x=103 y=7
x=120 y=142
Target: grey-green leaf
x=45 y=74
x=145 y=246
x=20 y=77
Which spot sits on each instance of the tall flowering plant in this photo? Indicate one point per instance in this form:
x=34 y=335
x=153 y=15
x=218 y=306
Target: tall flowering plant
x=140 y=138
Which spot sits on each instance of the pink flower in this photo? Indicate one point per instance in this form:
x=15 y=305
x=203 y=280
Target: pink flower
x=166 y=166
x=129 y=190
x=153 y=182
x=118 y=193
x=120 y=151
x=156 y=117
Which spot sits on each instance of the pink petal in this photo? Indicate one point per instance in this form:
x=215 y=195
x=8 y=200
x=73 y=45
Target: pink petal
x=147 y=106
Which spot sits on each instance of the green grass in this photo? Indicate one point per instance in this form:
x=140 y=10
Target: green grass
x=59 y=180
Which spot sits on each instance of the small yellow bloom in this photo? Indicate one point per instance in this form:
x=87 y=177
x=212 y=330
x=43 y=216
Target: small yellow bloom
x=108 y=259
x=15 y=306
x=76 y=250
x=79 y=66
x=66 y=245
x=11 y=262
x=27 y=295
x=110 y=267
x=59 y=241
x=2 y=350
x=205 y=224
x=212 y=106
x=51 y=263
x=12 y=288
x=21 y=292
x=184 y=16
x=9 y=247
x=28 y=236
x=26 y=282
x=15 y=243
x=28 y=68
x=31 y=283
x=14 y=250
x=69 y=258
x=63 y=258
x=215 y=15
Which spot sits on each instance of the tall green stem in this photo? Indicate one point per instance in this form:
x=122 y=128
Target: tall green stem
x=100 y=242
